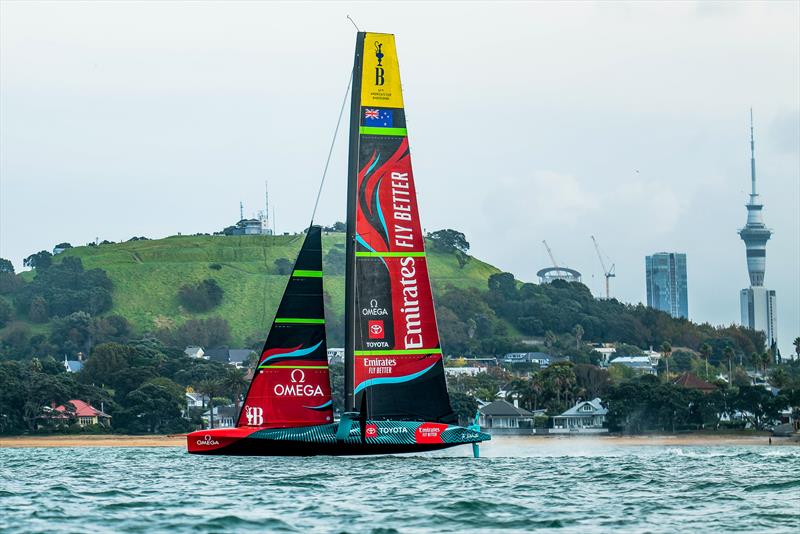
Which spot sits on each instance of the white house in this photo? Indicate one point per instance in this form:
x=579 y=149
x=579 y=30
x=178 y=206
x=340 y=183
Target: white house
x=640 y=364
x=461 y=371
x=503 y=417
x=335 y=355
x=196 y=400
x=72 y=366
x=194 y=352
x=224 y=416
x=586 y=417
x=606 y=353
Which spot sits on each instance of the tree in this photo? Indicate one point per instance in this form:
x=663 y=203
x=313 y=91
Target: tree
x=38 y=312
x=201 y=297
x=6 y=266
x=705 y=352
x=106 y=363
x=449 y=240
x=6 y=313
x=766 y=359
x=152 y=408
x=234 y=383
x=578 y=331
x=729 y=356
x=666 y=351
x=796 y=344
x=210 y=388
x=41 y=260
x=758 y=405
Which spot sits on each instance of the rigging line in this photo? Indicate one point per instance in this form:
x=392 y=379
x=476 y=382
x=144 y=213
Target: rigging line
x=333 y=142
x=354 y=23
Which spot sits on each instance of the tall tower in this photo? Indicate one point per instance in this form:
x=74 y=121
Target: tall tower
x=755 y=234
x=758 y=305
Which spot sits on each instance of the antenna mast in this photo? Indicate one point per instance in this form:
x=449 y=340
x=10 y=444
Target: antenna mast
x=241 y=211
x=609 y=273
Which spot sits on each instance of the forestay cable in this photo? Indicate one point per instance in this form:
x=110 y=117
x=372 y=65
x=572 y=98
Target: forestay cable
x=333 y=142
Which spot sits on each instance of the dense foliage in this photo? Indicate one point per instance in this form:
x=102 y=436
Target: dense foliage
x=201 y=297
x=64 y=288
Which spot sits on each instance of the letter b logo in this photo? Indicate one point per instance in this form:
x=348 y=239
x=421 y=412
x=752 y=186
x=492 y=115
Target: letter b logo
x=379 y=76
x=255 y=415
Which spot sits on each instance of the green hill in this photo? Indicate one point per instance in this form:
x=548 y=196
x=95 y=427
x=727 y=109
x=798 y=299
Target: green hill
x=147 y=275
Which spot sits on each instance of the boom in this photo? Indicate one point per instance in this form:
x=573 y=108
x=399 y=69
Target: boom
x=608 y=273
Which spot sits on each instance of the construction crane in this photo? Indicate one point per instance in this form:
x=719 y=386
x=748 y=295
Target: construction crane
x=609 y=273
x=550 y=253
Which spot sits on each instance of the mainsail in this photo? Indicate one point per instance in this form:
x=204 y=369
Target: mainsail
x=394 y=359
x=291 y=386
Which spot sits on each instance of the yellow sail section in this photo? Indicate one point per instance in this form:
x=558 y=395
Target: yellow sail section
x=380 y=76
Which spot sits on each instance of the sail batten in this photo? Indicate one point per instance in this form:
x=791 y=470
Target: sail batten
x=393 y=354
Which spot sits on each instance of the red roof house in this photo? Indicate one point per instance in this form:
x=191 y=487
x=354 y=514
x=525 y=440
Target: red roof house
x=85 y=413
x=690 y=381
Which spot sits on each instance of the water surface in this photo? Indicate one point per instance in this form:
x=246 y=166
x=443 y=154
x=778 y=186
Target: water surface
x=558 y=486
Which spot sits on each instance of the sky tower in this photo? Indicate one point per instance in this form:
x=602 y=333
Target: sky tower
x=758 y=305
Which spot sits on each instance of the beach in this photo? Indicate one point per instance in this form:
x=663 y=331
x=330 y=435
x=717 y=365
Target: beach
x=179 y=440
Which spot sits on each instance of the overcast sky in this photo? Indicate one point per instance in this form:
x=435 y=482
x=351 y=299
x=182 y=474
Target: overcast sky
x=526 y=121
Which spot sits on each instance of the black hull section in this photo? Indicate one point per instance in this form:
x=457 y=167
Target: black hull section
x=264 y=447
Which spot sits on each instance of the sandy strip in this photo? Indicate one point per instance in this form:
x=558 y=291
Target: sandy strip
x=173 y=440
x=179 y=440
x=680 y=440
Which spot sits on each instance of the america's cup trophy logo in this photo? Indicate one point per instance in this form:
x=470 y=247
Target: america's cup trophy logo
x=379 y=68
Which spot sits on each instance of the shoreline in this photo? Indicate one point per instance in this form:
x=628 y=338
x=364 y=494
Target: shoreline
x=179 y=440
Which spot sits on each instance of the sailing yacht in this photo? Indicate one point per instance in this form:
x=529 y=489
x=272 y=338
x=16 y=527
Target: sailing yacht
x=395 y=394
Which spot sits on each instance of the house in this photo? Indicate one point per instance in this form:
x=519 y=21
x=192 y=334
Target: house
x=540 y=358
x=72 y=366
x=640 y=364
x=239 y=357
x=335 y=355
x=502 y=417
x=236 y=357
x=224 y=416
x=84 y=414
x=586 y=417
x=218 y=355
x=690 y=381
x=462 y=371
x=195 y=352
x=606 y=353
x=196 y=400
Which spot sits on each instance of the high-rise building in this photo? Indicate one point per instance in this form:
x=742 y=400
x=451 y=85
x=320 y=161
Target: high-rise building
x=758 y=305
x=667 y=287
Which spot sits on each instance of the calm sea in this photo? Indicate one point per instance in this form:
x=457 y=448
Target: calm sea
x=553 y=486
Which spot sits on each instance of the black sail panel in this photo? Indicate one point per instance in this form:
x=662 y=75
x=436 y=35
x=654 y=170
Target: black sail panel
x=291 y=385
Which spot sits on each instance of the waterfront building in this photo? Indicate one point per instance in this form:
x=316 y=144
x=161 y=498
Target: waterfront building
x=758 y=305
x=667 y=286
x=78 y=411
x=586 y=417
x=502 y=417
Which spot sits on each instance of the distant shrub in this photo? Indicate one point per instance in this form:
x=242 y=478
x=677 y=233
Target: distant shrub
x=215 y=266
x=211 y=332
x=283 y=266
x=201 y=297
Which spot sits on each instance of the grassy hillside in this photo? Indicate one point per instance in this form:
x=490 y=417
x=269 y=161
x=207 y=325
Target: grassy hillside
x=147 y=275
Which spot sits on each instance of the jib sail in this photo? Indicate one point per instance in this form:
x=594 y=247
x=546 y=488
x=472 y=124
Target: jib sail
x=291 y=386
x=392 y=342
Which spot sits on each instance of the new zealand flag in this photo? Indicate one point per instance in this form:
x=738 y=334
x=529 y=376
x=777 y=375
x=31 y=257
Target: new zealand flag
x=382 y=118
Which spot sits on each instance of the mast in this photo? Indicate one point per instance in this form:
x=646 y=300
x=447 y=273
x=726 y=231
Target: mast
x=350 y=250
